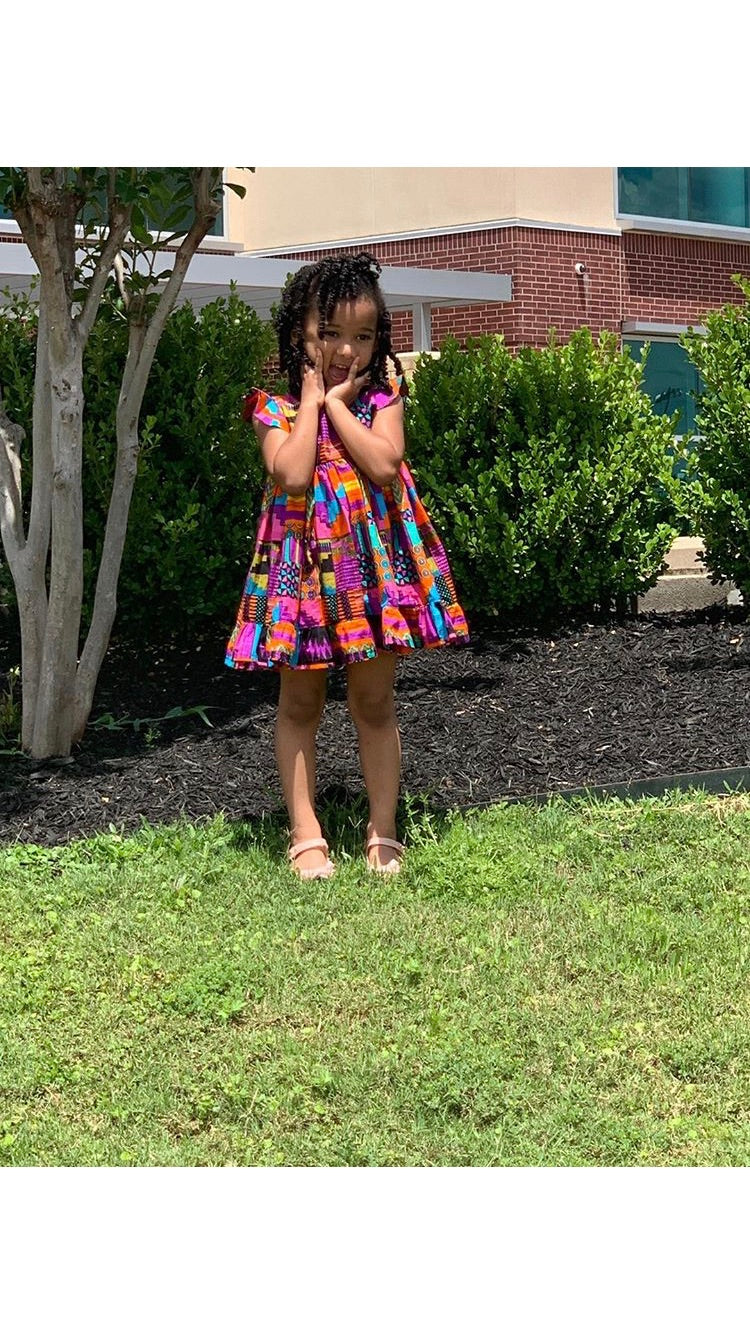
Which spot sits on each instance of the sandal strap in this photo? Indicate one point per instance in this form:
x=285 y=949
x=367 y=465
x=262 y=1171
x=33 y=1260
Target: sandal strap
x=384 y=843
x=307 y=845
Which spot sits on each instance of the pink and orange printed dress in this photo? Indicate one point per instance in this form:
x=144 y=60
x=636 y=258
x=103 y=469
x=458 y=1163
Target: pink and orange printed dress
x=346 y=571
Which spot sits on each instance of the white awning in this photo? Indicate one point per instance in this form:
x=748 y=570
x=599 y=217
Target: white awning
x=259 y=282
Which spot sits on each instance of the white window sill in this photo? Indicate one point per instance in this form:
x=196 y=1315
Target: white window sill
x=712 y=231
x=9 y=227
x=671 y=332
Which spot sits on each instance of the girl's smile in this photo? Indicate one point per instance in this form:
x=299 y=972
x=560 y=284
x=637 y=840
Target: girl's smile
x=337 y=374
x=350 y=333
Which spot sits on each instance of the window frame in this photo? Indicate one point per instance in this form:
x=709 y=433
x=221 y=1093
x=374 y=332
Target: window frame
x=644 y=222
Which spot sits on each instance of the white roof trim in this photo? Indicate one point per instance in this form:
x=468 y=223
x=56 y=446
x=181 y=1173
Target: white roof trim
x=455 y=229
x=649 y=330
x=259 y=280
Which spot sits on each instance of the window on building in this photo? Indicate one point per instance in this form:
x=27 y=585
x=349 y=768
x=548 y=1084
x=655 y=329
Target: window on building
x=717 y=195
x=672 y=383
x=217 y=229
x=670 y=379
x=180 y=224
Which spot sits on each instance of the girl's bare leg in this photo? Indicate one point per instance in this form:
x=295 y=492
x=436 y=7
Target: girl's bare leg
x=373 y=710
x=301 y=698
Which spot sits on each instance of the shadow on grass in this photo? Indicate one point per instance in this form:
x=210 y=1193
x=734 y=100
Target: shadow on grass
x=343 y=818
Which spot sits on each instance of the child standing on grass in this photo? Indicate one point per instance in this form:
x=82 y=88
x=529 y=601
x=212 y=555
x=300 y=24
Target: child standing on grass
x=348 y=570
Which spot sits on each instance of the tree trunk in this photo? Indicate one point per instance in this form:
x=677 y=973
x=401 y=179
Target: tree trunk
x=53 y=724
x=32 y=613
x=57 y=690
x=32 y=603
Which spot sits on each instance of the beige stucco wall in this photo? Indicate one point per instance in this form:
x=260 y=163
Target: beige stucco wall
x=580 y=196
x=287 y=206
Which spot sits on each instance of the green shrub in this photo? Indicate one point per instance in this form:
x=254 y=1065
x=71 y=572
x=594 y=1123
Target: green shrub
x=200 y=474
x=718 y=485
x=547 y=473
x=197 y=494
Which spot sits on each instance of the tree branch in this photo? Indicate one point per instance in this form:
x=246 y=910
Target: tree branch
x=119 y=221
x=41 y=451
x=38 y=222
x=11 y=514
x=119 y=268
x=142 y=342
x=105 y=596
x=206 y=210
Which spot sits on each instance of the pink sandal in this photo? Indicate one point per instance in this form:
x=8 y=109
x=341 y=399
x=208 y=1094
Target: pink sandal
x=394 y=865
x=312 y=872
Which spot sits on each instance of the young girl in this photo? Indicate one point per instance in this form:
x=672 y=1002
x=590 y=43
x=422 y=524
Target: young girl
x=347 y=570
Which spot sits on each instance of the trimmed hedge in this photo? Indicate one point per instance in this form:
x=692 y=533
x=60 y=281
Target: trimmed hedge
x=718 y=477
x=546 y=472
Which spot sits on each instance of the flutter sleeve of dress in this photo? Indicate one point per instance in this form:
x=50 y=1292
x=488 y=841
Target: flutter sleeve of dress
x=382 y=398
x=261 y=407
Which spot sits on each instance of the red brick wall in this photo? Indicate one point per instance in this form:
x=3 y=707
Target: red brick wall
x=633 y=276
x=678 y=279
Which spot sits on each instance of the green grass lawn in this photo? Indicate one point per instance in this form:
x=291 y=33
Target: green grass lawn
x=558 y=985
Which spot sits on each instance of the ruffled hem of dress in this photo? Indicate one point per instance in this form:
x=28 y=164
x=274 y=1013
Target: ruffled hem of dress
x=280 y=644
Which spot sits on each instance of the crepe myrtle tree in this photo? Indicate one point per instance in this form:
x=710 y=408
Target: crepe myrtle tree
x=91 y=231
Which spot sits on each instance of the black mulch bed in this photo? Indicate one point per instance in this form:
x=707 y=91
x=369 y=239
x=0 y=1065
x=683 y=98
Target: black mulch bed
x=511 y=715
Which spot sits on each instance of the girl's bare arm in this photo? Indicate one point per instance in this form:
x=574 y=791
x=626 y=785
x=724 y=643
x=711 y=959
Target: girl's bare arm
x=290 y=456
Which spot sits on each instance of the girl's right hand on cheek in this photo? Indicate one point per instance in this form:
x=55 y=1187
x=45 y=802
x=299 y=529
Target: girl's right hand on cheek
x=313 y=388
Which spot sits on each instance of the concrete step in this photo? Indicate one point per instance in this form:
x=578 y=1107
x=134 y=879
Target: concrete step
x=686 y=585
x=683 y=556
x=687 y=592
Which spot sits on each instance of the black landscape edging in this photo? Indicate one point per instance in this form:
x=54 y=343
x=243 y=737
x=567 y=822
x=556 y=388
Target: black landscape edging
x=710 y=780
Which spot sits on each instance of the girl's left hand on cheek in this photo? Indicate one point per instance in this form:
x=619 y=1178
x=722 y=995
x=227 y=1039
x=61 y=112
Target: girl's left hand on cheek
x=349 y=388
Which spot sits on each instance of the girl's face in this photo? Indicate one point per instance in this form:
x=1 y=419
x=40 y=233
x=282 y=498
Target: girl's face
x=351 y=332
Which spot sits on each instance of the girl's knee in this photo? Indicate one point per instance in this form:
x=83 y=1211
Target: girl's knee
x=302 y=697
x=370 y=692
x=372 y=707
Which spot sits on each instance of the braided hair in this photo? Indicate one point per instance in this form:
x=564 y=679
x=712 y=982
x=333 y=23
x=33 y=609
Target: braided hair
x=320 y=287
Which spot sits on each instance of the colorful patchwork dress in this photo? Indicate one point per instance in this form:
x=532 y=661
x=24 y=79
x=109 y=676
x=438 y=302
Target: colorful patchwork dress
x=347 y=570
